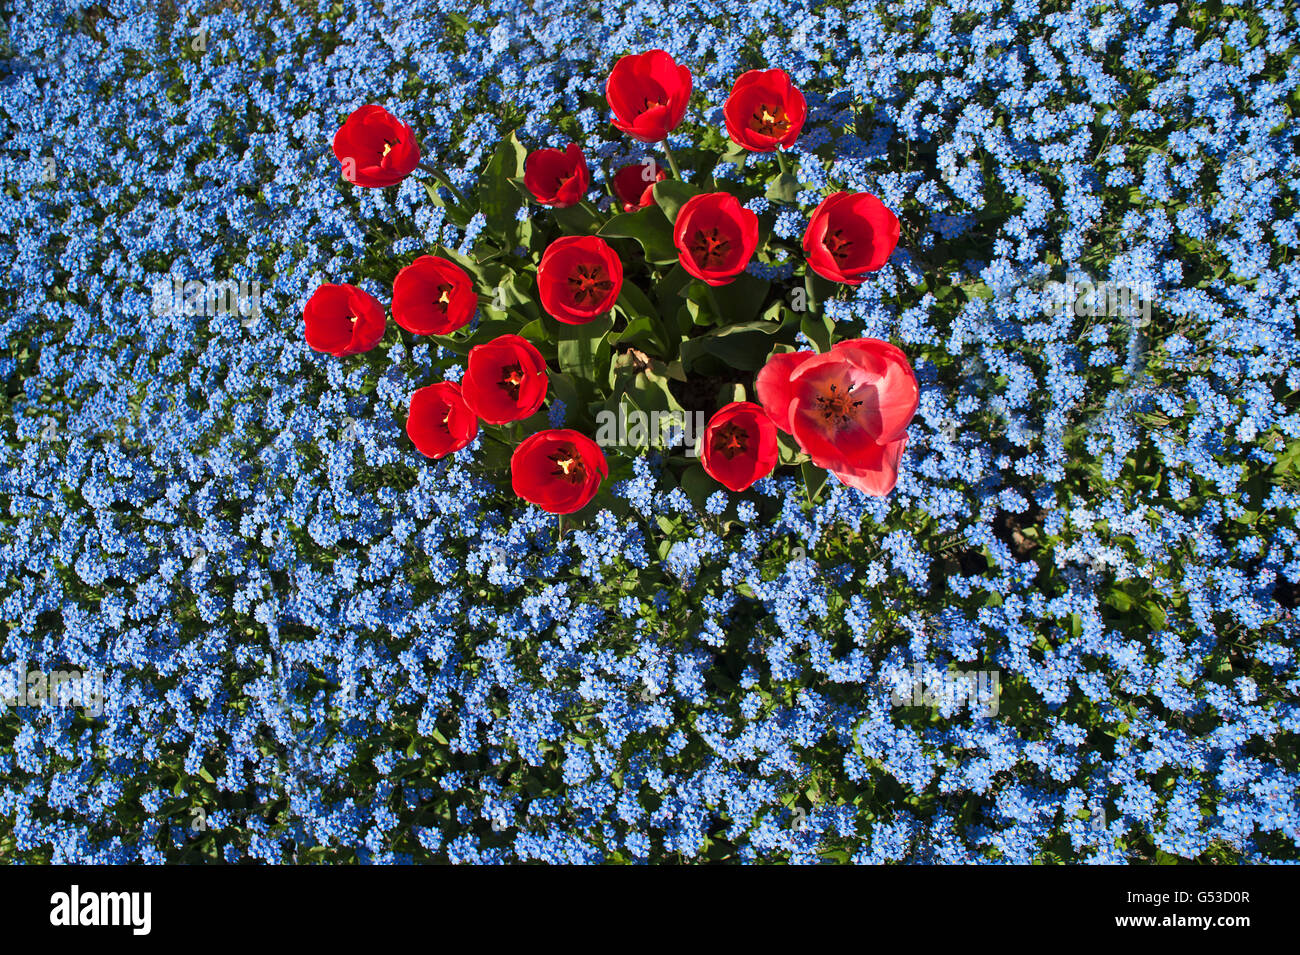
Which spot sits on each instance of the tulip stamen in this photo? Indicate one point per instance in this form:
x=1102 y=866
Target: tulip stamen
x=837 y=245
x=512 y=377
x=589 y=284
x=709 y=248
x=770 y=121
x=838 y=407
x=568 y=466
x=730 y=440
x=444 y=296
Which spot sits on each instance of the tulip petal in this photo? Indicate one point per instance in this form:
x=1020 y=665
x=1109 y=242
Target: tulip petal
x=773 y=385
x=878 y=474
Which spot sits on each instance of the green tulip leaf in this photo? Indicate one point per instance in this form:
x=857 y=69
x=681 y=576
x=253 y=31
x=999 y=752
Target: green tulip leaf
x=499 y=200
x=671 y=195
x=579 y=348
x=649 y=227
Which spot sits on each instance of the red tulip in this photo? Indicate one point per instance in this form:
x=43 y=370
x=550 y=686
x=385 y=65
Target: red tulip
x=849 y=235
x=764 y=111
x=848 y=408
x=376 y=148
x=343 y=320
x=579 y=278
x=440 y=421
x=558 y=470
x=739 y=445
x=632 y=187
x=433 y=296
x=716 y=237
x=505 y=379
x=557 y=178
x=648 y=93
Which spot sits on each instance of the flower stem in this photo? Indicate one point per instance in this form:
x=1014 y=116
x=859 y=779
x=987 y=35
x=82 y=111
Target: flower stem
x=783 y=161
x=672 y=162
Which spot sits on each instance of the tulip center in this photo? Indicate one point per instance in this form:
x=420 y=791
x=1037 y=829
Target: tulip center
x=651 y=104
x=388 y=147
x=444 y=297
x=589 y=284
x=730 y=440
x=512 y=376
x=446 y=420
x=568 y=466
x=770 y=121
x=837 y=245
x=709 y=248
x=838 y=407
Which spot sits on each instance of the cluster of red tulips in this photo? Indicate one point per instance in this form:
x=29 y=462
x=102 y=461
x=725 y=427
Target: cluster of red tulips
x=847 y=408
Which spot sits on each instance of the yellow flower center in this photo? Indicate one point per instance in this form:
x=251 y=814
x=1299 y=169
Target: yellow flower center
x=770 y=121
x=512 y=377
x=568 y=466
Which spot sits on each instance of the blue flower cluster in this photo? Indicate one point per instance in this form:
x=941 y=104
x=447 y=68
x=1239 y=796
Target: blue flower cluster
x=317 y=645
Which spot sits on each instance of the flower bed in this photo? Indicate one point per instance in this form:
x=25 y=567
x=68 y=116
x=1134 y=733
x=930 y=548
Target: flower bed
x=273 y=587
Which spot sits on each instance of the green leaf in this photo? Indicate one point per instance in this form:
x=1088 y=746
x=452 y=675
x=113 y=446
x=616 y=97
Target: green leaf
x=485 y=332
x=1119 y=600
x=741 y=298
x=671 y=195
x=465 y=262
x=646 y=383
x=672 y=288
x=1154 y=614
x=646 y=333
x=644 y=325
x=731 y=392
x=578 y=347
x=537 y=333
x=564 y=389
x=649 y=227
x=580 y=219
x=498 y=199
x=621 y=430
x=736 y=155
x=819 y=329
x=784 y=189
x=634 y=304
x=790 y=452
x=697 y=484
x=744 y=346
x=814 y=479
x=457 y=215
x=514 y=297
